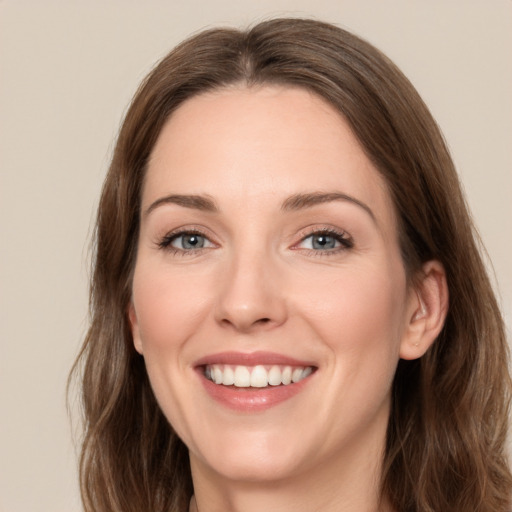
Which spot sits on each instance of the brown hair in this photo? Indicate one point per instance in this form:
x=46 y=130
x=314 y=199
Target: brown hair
x=447 y=428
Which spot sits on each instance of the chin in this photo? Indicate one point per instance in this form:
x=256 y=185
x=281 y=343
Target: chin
x=252 y=458
x=271 y=469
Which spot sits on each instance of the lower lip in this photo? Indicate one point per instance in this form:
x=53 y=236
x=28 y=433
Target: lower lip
x=252 y=399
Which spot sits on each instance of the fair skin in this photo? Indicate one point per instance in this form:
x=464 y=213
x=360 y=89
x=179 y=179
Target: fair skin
x=268 y=239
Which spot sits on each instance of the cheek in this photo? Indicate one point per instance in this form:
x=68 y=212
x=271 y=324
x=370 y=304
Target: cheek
x=358 y=300
x=168 y=306
x=360 y=316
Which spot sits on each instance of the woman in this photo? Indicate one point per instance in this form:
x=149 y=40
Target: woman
x=289 y=309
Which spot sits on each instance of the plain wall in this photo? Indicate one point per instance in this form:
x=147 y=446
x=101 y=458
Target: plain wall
x=67 y=72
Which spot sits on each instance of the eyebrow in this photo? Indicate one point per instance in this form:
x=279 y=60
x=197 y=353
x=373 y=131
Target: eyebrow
x=301 y=201
x=203 y=203
x=292 y=203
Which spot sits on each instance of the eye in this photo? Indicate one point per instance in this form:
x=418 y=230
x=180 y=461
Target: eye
x=185 y=241
x=326 y=240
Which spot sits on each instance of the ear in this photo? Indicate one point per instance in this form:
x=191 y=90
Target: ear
x=134 y=327
x=426 y=311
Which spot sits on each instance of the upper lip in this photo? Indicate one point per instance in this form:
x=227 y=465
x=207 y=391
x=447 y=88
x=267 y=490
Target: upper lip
x=251 y=359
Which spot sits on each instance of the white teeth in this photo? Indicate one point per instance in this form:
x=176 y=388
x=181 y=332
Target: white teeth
x=242 y=377
x=274 y=376
x=297 y=374
x=307 y=371
x=217 y=375
x=286 y=376
x=229 y=376
x=257 y=376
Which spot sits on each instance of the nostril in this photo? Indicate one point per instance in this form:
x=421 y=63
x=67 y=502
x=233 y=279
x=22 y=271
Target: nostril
x=259 y=322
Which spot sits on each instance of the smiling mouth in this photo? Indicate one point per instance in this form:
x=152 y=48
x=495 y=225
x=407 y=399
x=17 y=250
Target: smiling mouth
x=259 y=376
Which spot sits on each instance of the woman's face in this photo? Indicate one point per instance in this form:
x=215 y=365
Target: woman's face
x=268 y=254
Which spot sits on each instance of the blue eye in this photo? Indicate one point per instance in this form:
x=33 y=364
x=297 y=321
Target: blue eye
x=326 y=241
x=185 y=241
x=323 y=242
x=189 y=241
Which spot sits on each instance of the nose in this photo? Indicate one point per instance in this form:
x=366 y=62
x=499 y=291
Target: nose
x=251 y=296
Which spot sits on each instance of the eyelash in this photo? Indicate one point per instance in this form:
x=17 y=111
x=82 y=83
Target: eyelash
x=169 y=238
x=344 y=239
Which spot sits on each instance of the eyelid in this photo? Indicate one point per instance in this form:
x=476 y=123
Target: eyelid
x=164 y=242
x=345 y=239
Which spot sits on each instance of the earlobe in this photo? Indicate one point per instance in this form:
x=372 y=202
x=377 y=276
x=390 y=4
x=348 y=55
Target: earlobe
x=134 y=327
x=427 y=309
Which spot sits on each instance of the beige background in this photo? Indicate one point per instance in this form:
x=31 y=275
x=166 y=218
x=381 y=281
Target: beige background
x=67 y=72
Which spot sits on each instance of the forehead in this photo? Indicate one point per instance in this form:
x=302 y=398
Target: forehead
x=254 y=144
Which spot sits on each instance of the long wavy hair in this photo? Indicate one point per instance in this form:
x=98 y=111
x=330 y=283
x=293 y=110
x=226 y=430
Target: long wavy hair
x=445 y=448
